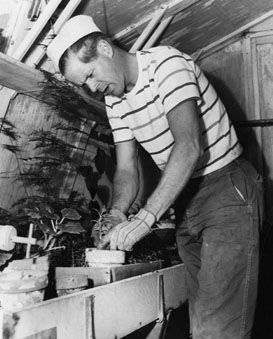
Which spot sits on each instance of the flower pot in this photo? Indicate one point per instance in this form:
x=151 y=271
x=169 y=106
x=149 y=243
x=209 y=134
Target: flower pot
x=22 y=288
x=101 y=258
x=70 y=283
x=39 y=263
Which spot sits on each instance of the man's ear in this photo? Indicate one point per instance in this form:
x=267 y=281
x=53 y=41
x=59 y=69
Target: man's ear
x=105 y=48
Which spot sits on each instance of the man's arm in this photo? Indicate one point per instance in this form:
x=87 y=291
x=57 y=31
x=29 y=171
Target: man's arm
x=184 y=125
x=126 y=180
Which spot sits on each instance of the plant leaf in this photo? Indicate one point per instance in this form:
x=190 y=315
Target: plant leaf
x=34 y=215
x=12 y=148
x=47 y=211
x=70 y=213
x=71 y=227
x=46 y=228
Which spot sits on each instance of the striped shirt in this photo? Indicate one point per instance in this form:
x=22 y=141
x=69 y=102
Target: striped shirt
x=167 y=78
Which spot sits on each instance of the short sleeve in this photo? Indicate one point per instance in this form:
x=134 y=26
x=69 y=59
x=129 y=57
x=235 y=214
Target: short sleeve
x=176 y=78
x=121 y=132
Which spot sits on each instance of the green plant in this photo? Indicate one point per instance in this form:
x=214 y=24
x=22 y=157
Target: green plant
x=48 y=169
x=9 y=130
x=54 y=220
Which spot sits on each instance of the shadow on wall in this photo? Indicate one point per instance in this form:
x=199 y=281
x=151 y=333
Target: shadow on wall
x=245 y=132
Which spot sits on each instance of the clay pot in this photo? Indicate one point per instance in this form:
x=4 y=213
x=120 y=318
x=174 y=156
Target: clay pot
x=70 y=283
x=22 y=288
x=101 y=258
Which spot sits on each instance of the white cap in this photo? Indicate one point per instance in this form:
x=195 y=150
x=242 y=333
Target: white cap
x=74 y=29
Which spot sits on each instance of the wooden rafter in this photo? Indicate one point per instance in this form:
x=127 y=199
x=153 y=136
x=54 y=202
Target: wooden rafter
x=29 y=81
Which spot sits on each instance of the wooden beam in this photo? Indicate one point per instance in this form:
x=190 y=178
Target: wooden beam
x=110 y=311
x=36 y=29
x=237 y=34
x=29 y=81
x=157 y=33
x=148 y=30
x=174 y=7
x=40 y=51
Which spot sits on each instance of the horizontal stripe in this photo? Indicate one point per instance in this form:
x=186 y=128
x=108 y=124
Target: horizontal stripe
x=155 y=137
x=115 y=103
x=220 y=157
x=145 y=87
x=173 y=73
x=217 y=122
x=205 y=90
x=218 y=140
x=120 y=128
x=178 y=88
x=150 y=122
x=140 y=108
x=122 y=141
x=170 y=58
x=209 y=108
x=163 y=149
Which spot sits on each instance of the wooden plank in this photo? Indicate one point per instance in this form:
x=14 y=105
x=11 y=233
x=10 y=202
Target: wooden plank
x=36 y=29
x=29 y=81
x=248 y=83
x=39 y=52
x=126 y=271
x=104 y=275
x=109 y=311
x=237 y=34
x=257 y=113
x=148 y=30
x=174 y=7
x=14 y=33
x=157 y=33
x=97 y=275
x=264 y=65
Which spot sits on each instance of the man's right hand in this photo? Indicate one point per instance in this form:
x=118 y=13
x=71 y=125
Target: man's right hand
x=105 y=223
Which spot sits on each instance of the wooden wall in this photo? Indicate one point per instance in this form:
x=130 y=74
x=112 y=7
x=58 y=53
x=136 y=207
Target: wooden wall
x=27 y=115
x=242 y=72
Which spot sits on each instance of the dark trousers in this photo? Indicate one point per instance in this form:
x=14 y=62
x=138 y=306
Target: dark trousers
x=218 y=221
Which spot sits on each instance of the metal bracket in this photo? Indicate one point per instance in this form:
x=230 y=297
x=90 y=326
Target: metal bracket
x=163 y=315
x=161 y=299
x=90 y=317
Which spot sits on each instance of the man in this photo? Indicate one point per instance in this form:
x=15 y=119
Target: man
x=159 y=98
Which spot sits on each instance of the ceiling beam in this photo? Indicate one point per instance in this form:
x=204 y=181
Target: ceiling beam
x=170 y=8
x=32 y=82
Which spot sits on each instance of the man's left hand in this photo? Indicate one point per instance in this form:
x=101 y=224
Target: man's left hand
x=126 y=234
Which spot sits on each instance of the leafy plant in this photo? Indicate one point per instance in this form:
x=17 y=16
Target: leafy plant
x=43 y=167
x=54 y=220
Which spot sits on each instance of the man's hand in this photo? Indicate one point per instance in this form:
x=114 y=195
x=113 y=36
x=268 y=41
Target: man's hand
x=126 y=234
x=106 y=222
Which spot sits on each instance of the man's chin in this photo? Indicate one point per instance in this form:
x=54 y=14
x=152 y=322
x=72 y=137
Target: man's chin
x=113 y=94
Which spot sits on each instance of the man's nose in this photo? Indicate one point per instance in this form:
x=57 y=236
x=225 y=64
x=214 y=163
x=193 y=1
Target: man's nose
x=91 y=84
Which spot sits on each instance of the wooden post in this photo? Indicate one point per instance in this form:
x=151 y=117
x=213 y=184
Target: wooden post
x=64 y=16
x=148 y=30
x=159 y=30
x=36 y=29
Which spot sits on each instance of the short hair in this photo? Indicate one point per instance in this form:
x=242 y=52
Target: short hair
x=85 y=49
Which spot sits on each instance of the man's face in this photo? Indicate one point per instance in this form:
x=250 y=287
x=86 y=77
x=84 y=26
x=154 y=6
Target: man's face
x=100 y=74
